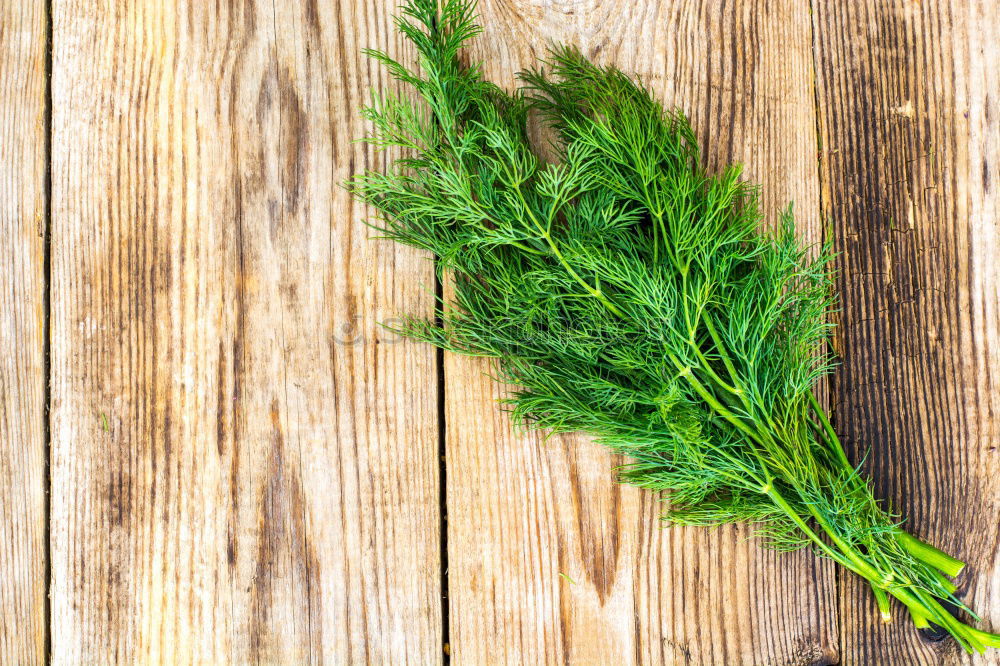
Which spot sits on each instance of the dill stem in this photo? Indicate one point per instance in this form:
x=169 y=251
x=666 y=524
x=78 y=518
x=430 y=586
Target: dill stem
x=656 y=245
x=928 y=554
x=882 y=599
x=713 y=374
x=944 y=581
x=713 y=402
x=922 y=612
x=833 y=440
x=918 y=616
x=576 y=276
x=525 y=248
x=717 y=339
x=987 y=638
x=790 y=511
x=726 y=360
x=546 y=233
x=864 y=568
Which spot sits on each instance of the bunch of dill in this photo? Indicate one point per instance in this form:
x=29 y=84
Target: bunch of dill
x=634 y=296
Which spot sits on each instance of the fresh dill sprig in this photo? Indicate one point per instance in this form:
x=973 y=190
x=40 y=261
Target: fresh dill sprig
x=630 y=294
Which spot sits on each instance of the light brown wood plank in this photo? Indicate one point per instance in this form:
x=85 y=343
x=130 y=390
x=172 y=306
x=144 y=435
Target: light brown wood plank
x=242 y=470
x=23 y=451
x=910 y=120
x=520 y=511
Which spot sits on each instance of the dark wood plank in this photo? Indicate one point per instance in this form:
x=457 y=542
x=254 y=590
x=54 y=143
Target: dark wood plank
x=241 y=471
x=910 y=119
x=23 y=453
x=550 y=560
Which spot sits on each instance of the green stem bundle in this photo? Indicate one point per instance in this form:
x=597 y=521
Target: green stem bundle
x=632 y=295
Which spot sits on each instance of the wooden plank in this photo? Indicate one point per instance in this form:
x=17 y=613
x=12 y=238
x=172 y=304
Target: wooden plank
x=241 y=471
x=549 y=559
x=909 y=121
x=22 y=331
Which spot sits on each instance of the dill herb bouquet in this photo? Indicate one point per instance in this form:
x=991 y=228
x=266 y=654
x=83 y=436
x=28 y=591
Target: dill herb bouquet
x=634 y=296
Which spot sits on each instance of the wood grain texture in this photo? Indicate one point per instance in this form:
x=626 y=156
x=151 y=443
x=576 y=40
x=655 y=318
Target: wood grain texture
x=23 y=199
x=242 y=470
x=245 y=467
x=910 y=126
x=550 y=560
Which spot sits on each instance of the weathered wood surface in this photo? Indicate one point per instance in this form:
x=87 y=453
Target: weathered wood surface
x=23 y=200
x=245 y=468
x=910 y=127
x=241 y=472
x=550 y=560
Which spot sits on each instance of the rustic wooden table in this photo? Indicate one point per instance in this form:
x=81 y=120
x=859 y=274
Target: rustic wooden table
x=210 y=452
